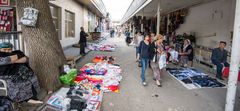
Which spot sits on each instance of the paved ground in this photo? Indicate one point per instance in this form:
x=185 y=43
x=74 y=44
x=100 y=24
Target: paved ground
x=171 y=97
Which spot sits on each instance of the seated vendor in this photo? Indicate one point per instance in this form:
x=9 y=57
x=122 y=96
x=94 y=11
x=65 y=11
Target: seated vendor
x=219 y=58
x=22 y=83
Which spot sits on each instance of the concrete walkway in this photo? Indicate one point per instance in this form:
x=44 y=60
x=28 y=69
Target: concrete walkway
x=171 y=97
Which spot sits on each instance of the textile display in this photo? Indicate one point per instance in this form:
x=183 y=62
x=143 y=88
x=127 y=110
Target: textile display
x=102 y=47
x=90 y=83
x=194 y=77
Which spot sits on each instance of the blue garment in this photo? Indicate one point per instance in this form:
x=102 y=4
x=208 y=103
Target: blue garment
x=144 y=50
x=219 y=58
x=144 y=63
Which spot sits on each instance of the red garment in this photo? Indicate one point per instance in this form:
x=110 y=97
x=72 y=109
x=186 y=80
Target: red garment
x=226 y=73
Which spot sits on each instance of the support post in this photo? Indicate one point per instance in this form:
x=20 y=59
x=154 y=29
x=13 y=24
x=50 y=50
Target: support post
x=235 y=59
x=142 y=20
x=158 y=18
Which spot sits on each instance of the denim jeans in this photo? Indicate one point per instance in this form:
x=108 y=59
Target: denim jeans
x=144 y=67
x=137 y=52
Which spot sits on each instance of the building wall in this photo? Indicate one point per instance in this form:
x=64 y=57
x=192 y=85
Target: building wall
x=77 y=9
x=85 y=16
x=211 y=22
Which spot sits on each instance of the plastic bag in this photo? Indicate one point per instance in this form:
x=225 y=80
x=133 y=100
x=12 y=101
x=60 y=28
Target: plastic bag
x=162 y=61
x=69 y=78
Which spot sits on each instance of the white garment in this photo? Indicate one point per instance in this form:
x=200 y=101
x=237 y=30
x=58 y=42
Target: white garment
x=139 y=39
x=174 y=55
x=162 y=61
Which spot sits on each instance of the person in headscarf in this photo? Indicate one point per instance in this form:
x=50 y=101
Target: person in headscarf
x=187 y=54
x=22 y=83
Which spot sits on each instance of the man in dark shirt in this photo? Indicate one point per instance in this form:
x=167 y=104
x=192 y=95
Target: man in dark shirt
x=83 y=41
x=219 y=58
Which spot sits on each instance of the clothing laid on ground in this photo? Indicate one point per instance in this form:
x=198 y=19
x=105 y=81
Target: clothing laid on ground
x=219 y=58
x=194 y=77
x=22 y=83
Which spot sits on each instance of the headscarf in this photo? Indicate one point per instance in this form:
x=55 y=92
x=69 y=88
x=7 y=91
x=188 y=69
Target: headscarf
x=186 y=45
x=5 y=45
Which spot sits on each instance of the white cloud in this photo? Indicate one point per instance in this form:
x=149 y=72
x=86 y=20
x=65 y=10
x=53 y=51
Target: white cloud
x=117 y=8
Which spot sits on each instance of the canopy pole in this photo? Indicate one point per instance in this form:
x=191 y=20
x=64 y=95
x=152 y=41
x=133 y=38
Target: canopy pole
x=235 y=59
x=158 y=18
x=142 y=20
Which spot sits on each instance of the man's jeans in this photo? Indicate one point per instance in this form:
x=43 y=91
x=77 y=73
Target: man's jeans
x=144 y=67
x=219 y=68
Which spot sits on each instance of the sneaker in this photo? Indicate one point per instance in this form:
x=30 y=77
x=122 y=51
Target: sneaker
x=158 y=83
x=144 y=83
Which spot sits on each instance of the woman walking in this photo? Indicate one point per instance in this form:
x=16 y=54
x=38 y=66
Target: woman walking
x=144 y=54
x=156 y=50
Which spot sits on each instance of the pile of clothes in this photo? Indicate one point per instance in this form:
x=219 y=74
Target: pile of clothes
x=194 y=77
x=87 y=87
x=102 y=47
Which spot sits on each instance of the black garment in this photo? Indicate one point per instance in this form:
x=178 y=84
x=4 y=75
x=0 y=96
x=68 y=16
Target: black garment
x=82 y=48
x=152 y=50
x=190 y=56
x=4 y=69
x=83 y=42
x=83 y=37
x=144 y=50
x=21 y=81
x=219 y=56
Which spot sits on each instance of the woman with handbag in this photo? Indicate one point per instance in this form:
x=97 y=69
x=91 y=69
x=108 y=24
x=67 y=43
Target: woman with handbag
x=156 y=48
x=144 y=54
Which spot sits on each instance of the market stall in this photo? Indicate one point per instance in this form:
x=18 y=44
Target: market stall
x=192 y=78
x=101 y=47
x=86 y=87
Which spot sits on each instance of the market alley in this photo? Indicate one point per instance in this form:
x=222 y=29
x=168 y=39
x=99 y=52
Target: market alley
x=171 y=97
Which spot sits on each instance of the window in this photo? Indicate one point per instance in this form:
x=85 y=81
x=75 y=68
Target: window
x=56 y=16
x=69 y=24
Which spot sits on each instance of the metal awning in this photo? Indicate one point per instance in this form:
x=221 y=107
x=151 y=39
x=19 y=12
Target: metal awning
x=149 y=7
x=95 y=6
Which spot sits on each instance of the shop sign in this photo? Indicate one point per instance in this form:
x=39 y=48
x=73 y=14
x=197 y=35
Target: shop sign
x=30 y=17
x=4 y=2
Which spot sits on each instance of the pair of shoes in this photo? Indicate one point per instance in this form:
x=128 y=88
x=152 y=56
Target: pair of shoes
x=144 y=83
x=158 y=83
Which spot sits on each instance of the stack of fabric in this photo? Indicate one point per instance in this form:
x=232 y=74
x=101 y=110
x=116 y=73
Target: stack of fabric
x=87 y=87
x=195 y=77
x=102 y=47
